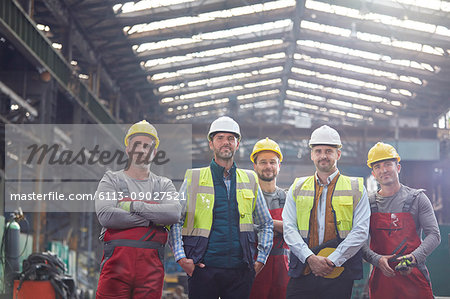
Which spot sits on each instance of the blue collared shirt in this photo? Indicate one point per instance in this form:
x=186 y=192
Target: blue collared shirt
x=261 y=217
x=351 y=244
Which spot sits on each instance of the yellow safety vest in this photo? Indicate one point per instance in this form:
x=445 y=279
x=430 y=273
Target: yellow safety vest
x=347 y=193
x=200 y=201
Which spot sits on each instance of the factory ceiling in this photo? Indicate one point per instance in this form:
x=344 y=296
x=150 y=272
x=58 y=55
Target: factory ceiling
x=292 y=62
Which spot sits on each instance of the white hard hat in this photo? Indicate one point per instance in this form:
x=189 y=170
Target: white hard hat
x=224 y=124
x=325 y=135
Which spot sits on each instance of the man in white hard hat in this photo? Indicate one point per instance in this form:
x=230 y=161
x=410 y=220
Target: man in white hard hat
x=214 y=242
x=133 y=230
x=272 y=281
x=325 y=222
x=399 y=215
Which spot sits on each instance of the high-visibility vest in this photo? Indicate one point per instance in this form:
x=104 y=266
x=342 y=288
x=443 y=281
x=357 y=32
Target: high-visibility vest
x=347 y=193
x=200 y=201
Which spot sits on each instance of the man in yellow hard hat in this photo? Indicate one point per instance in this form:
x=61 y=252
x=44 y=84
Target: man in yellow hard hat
x=272 y=281
x=325 y=223
x=133 y=206
x=215 y=242
x=399 y=215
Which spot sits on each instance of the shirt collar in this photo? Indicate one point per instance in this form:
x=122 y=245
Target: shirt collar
x=220 y=169
x=329 y=179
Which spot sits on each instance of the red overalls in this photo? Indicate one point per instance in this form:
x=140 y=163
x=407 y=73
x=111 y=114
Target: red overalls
x=272 y=281
x=395 y=233
x=132 y=263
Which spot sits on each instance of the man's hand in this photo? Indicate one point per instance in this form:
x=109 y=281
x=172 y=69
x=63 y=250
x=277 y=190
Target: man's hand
x=320 y=266
x=412 y=261
x=384 y=266
x=188 y=265
x=258 y=267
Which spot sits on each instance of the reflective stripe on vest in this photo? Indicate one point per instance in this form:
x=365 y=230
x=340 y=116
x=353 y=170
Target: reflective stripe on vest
x=347 y=193
x=200 y=201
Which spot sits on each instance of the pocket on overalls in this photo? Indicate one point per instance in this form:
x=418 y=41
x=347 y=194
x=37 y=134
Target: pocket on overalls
x=108 y=251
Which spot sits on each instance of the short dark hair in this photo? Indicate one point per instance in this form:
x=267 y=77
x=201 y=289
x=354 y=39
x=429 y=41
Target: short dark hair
x=332 y=145
x=255 y=156
x=141 y=134
x=211 y=136
x=392 y=159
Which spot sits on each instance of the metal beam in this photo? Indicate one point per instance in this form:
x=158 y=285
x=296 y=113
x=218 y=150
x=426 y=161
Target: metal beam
x=16 y=98
x=290 y=51
x=352 y=133
x=19 y=29
x=64 y=17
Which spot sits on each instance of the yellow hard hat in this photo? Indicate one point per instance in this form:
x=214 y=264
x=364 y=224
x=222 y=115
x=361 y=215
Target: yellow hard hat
x=142 y=127
x=381 y=151
x=266 y=145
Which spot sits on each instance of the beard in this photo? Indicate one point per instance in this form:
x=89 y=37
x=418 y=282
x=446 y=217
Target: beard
x=264 y=176
x=325 y=167
x=224 y=153
x=141 y=160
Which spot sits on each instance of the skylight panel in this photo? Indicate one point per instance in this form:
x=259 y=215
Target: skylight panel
x=212 y=102
x=339 y=91
x=306 y=96
x=340 y=103
x=354 y=115
x=337 y=112
x=209 y=92
x=331 y=101
x=358 y=69
x=197 y=114
x=146 y=4
x=402 y=92
x=431 y=4
x=262 y=83
x=213 y=80
x=223 y=90
x=244 y=30
x=339 y=79
x=373 y=38
x=377 y=18
x=259 y=104
x=217 y=66
x=211 y=16
x=295 y=104
x=325 y=28
x=164 y=44
x=218 y=79
x=362 y=107
x=257 y=94
x=212 y=53
x=241 y=32
x=365 y=55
